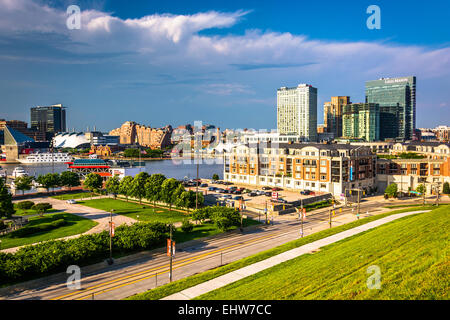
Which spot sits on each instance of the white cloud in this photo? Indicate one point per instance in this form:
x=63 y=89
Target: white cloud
x=174 y=40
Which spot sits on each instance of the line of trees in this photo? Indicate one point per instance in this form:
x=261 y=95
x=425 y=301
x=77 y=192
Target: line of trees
x=153 y=188
x=50 y=180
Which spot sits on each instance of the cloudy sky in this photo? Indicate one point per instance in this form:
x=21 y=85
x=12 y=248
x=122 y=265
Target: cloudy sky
x=220 y=62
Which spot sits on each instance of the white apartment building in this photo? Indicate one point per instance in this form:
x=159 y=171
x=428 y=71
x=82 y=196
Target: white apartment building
x=297 y=111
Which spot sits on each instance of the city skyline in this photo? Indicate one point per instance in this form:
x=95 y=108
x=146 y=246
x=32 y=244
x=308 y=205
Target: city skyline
x=233 y=60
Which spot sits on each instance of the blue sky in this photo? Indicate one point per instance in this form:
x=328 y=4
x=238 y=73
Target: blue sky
x=220 y=62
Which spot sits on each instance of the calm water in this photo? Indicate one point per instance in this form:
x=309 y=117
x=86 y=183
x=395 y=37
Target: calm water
x=166 y=167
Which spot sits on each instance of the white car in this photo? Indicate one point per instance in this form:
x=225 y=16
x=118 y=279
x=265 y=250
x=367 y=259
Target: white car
x=71 y=201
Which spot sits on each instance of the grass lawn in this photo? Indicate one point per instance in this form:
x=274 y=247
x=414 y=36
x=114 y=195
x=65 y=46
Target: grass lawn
x=80 y=195
x=74 y=225
x=191 y=281
x=132 y=210
x=204 y=230
x=412 y=254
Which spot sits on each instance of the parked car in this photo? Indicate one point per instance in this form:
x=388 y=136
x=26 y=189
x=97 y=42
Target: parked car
x=280 y=200
x=266 y=188
x=252 y=194
x=227 y=183
x=259 y=192
x=305 y=192
x=276 y=189
x=71 y=201
x=203 y=185
x=227 y=196
x=268 y=193
x=212 y=188
x=238 y=198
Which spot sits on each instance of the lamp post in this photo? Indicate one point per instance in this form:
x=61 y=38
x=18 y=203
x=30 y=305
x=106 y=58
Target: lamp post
x=110 y=260
x=170 y=253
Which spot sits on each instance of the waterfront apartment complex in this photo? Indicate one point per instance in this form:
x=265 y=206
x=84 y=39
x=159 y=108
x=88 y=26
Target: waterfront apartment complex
x=362 y=120
x=318 y=167
x=133 y=133
x=332 y=115
x=297 y=111
x=397 y=100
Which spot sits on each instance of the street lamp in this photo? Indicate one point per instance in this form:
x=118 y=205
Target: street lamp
x=110 y=260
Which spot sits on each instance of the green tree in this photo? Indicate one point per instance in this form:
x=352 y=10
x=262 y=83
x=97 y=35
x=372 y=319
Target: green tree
x=131 y=153
x=93 y=182
x=6 y=205
x=168 y=194
x=420 y=188
x=23 y=183
x=446 y=188
x=49 y=180
x=69 y=179
x=113 y=186
x=42 y=207
x=391 y=190
x=153 y=187
x=224 y=218
x=215 y=177
x=138 y=185
x=125 y=186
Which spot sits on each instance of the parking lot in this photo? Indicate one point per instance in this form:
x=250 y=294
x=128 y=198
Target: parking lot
x=256 y=198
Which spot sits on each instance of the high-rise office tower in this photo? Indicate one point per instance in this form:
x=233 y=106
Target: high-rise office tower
x=50 y=119
x=397 y=100
x=361 y=120
x=297 y=111
x=332 y=115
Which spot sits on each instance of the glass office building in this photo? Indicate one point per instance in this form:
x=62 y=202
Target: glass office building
x=361 y=120
x=51 y=119
x=397 y=100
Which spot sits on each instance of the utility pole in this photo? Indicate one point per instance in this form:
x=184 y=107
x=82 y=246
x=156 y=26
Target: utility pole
x=196 y=189
x=265 y=211
x=329 y=216
x=425 y=191
x=241 y=208
x=359 y=200
x=301 y=213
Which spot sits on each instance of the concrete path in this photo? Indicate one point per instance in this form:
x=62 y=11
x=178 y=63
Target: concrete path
x=239 y=274
x=100 y=216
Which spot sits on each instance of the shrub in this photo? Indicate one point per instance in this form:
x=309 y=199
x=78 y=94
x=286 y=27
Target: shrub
x=55 y=256
x=187 y=226
x=25 y=205
x=446 y=188
x=41 y=207
x=2 y=225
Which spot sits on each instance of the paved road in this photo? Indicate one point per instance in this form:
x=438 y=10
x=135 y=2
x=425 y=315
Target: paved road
x=147 y=270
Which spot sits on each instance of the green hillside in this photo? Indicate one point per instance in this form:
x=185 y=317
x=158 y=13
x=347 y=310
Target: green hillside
x=412 y=254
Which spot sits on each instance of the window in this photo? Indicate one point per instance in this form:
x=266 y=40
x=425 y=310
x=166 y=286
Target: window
x=323 y=162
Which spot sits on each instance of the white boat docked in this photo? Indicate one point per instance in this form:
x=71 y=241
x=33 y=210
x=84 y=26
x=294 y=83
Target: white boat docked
x=19 y=172
x=47 y=157
x=2 y=173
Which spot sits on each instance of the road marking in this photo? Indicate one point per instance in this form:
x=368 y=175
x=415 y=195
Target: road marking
x=187 y=260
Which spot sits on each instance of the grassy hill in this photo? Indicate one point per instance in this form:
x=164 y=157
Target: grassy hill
x=412 y=254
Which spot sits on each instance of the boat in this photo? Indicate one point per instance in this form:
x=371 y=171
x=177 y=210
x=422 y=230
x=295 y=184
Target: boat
x=2 y=173
x=47 y=157
x=19 y=172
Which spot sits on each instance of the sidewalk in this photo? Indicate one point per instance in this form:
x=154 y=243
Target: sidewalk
x=99 y=216
x=239 y=274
